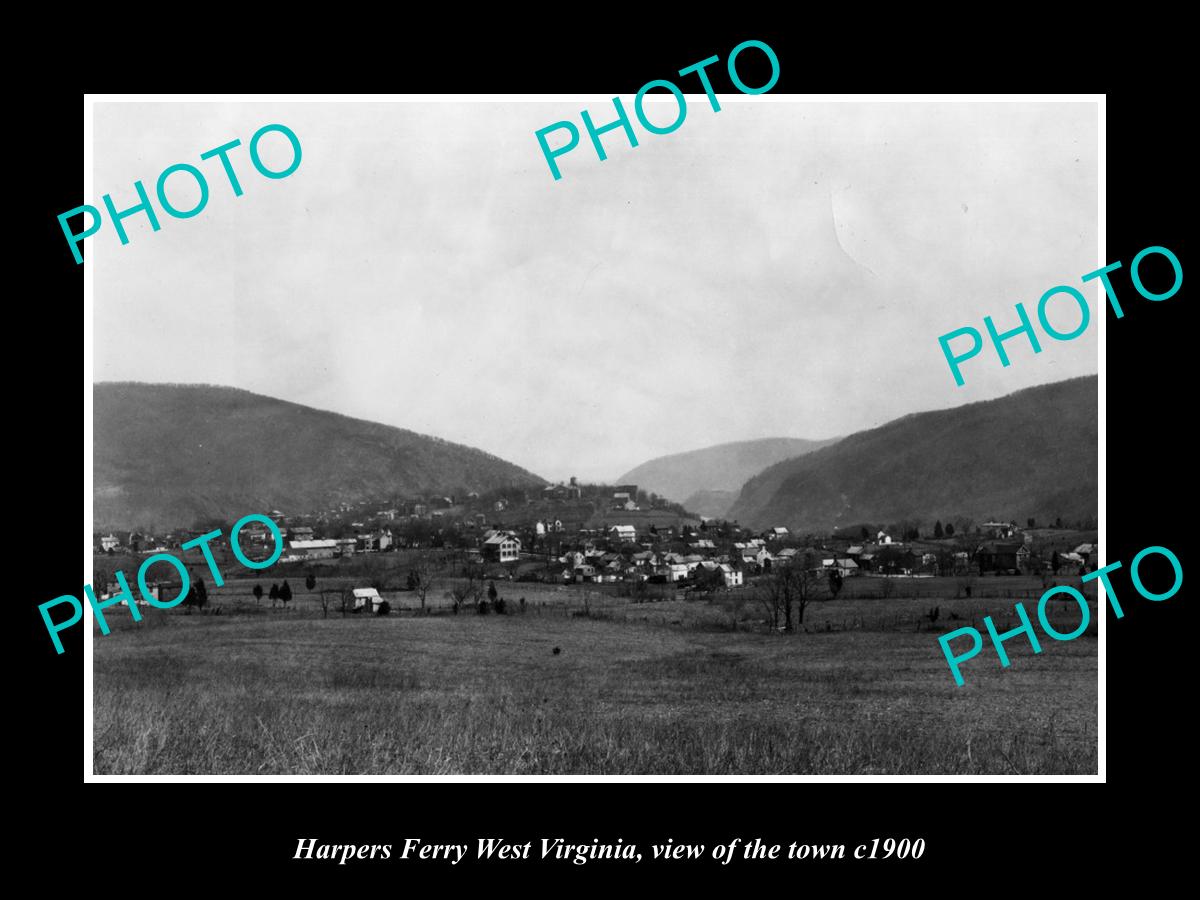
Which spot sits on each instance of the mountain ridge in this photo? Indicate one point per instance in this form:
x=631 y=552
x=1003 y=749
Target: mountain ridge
x=705 y=475
x=1015 y=456
x=169 y=455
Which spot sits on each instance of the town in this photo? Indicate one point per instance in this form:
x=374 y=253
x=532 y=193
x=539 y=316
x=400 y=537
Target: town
x=636 y=544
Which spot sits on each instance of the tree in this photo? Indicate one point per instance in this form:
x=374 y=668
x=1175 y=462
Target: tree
x=790 y=587
x=864 y=534
x=257 y=592
x=325 y=604
x=200 y=592
x=1058 y=522
x=274 y=594
x=835 y=582
x=1031 y=522
x=421 y=577
x=492 y=592
x=949 y=530
x=1055 y=562
x=469 y=589
x=285 y=592
x=937 y=529
x=311 y=581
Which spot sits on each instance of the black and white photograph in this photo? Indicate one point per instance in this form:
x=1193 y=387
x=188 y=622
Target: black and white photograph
x=410 y=458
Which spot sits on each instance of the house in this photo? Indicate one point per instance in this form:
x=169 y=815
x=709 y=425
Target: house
x=776 y=534
x=109 y=542
x=844 y=565
x=501 y=546
x=113 y=589
x=679 y=571
x=623 y=533
x=364 y=596
x=998 y=530
x=731 y=576
x=1002 y=556
x=346 y=546
x=302 y=533
x=622 y=500
x=313 y=549
x=1086 y=550
x=787 y=555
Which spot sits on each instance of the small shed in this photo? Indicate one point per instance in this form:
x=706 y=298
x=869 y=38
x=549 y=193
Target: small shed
x=363 y=596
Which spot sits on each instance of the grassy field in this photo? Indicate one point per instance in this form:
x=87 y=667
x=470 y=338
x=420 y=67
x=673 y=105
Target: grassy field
x=636 y=688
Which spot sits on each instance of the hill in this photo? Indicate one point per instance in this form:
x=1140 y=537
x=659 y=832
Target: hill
x=168 y=456
x=699 y=475
x=1030 y=454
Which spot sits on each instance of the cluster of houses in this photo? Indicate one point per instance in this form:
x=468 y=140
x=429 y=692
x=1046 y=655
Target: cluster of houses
x=301 y=545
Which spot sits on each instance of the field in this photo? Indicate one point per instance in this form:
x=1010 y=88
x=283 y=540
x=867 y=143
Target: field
x=634 y=688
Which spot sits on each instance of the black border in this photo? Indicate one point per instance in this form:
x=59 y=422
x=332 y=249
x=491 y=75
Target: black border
x=980 y=831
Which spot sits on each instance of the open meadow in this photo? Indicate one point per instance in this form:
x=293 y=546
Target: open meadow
x=606 y=686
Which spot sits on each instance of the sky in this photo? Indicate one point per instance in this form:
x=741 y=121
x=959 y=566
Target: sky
x=778 y=268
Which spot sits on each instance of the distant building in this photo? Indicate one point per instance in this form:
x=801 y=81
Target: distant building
x=1000 y=556
x=998 y=529
x=364 y=596
x=313 y=549
x=623 y=533
x=109 y=542
x=731 y=576
x=501 y=546
x=844 y=566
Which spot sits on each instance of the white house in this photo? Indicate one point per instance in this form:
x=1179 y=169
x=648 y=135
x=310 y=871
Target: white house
x=623 y=533
x=313 y=549
x=846 y=567
x=679 y=571
x=363 y=596
x=731 y=576
x=502 y=546
x=109 y=542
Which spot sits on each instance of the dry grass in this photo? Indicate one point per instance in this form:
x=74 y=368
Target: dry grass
x=486 y=694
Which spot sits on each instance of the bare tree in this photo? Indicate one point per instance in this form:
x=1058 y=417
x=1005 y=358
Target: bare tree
x=470 y=589
x=791 y=587
x=421 y=577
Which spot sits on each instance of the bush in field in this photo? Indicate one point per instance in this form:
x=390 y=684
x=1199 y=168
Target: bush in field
x=311 y=581
x=383 y=609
